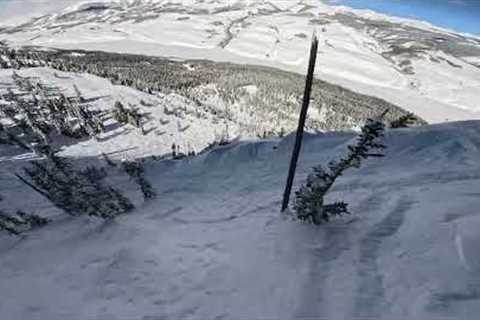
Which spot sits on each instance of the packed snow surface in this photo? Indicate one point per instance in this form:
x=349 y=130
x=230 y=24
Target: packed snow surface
x=213 y=244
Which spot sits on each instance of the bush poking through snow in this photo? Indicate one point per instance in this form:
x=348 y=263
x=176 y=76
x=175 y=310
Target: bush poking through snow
x=76 y=191
x=136 y=171
x=20 y=222
x=309 y=200
x=404 y=121
x=127 y=116
x=119 y=113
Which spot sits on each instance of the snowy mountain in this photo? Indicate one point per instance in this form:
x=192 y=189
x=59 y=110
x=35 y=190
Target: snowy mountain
x=430 y=71
x=213 y=244
x=144 y=148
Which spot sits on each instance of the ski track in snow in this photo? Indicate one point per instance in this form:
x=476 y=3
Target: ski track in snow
x=370 y=290
x=313 y=300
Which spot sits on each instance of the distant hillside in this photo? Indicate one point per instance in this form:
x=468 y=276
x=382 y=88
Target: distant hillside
x=427 y=70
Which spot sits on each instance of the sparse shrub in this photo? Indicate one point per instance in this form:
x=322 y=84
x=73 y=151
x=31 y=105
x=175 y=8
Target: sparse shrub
x=127 y=116
x=309 y=200
x=404 y=121
x=76 y=191
x=94 y=174
x=136 y=171
x=20 y=222
x=174 y=150
x=134 y=118
x=223 y=142
x=119 y=113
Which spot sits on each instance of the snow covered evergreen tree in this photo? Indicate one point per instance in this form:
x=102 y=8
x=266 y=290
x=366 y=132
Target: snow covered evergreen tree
x=127 y=115
x=309 y=199
x=76 y=191
x=20 y=221
x=174 y=150
x=119 y=113
x=136 y=171
x=404 y=121
x=37 y=111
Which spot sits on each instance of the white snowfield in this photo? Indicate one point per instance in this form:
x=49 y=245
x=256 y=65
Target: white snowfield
x=169 y=118
x=276 y=33
x=213 y=244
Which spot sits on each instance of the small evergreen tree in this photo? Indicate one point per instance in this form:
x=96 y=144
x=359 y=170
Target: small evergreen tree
x=309 y=201
x=127 y=116
x=76 y=191
x=136 y=171
x=404 y=121
x=20 y=221
x=119 y=113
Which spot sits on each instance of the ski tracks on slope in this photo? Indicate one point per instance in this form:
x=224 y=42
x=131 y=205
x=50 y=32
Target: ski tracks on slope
x=362 y=253
x=369 y=297
x=312 y=302
x=338 y=240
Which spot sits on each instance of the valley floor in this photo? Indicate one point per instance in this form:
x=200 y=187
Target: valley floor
x=213 y=244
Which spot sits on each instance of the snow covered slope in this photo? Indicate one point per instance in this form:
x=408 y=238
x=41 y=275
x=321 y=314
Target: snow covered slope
x=430 y=71
x=213 y=245
x=201 y=103
x=169 y=119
